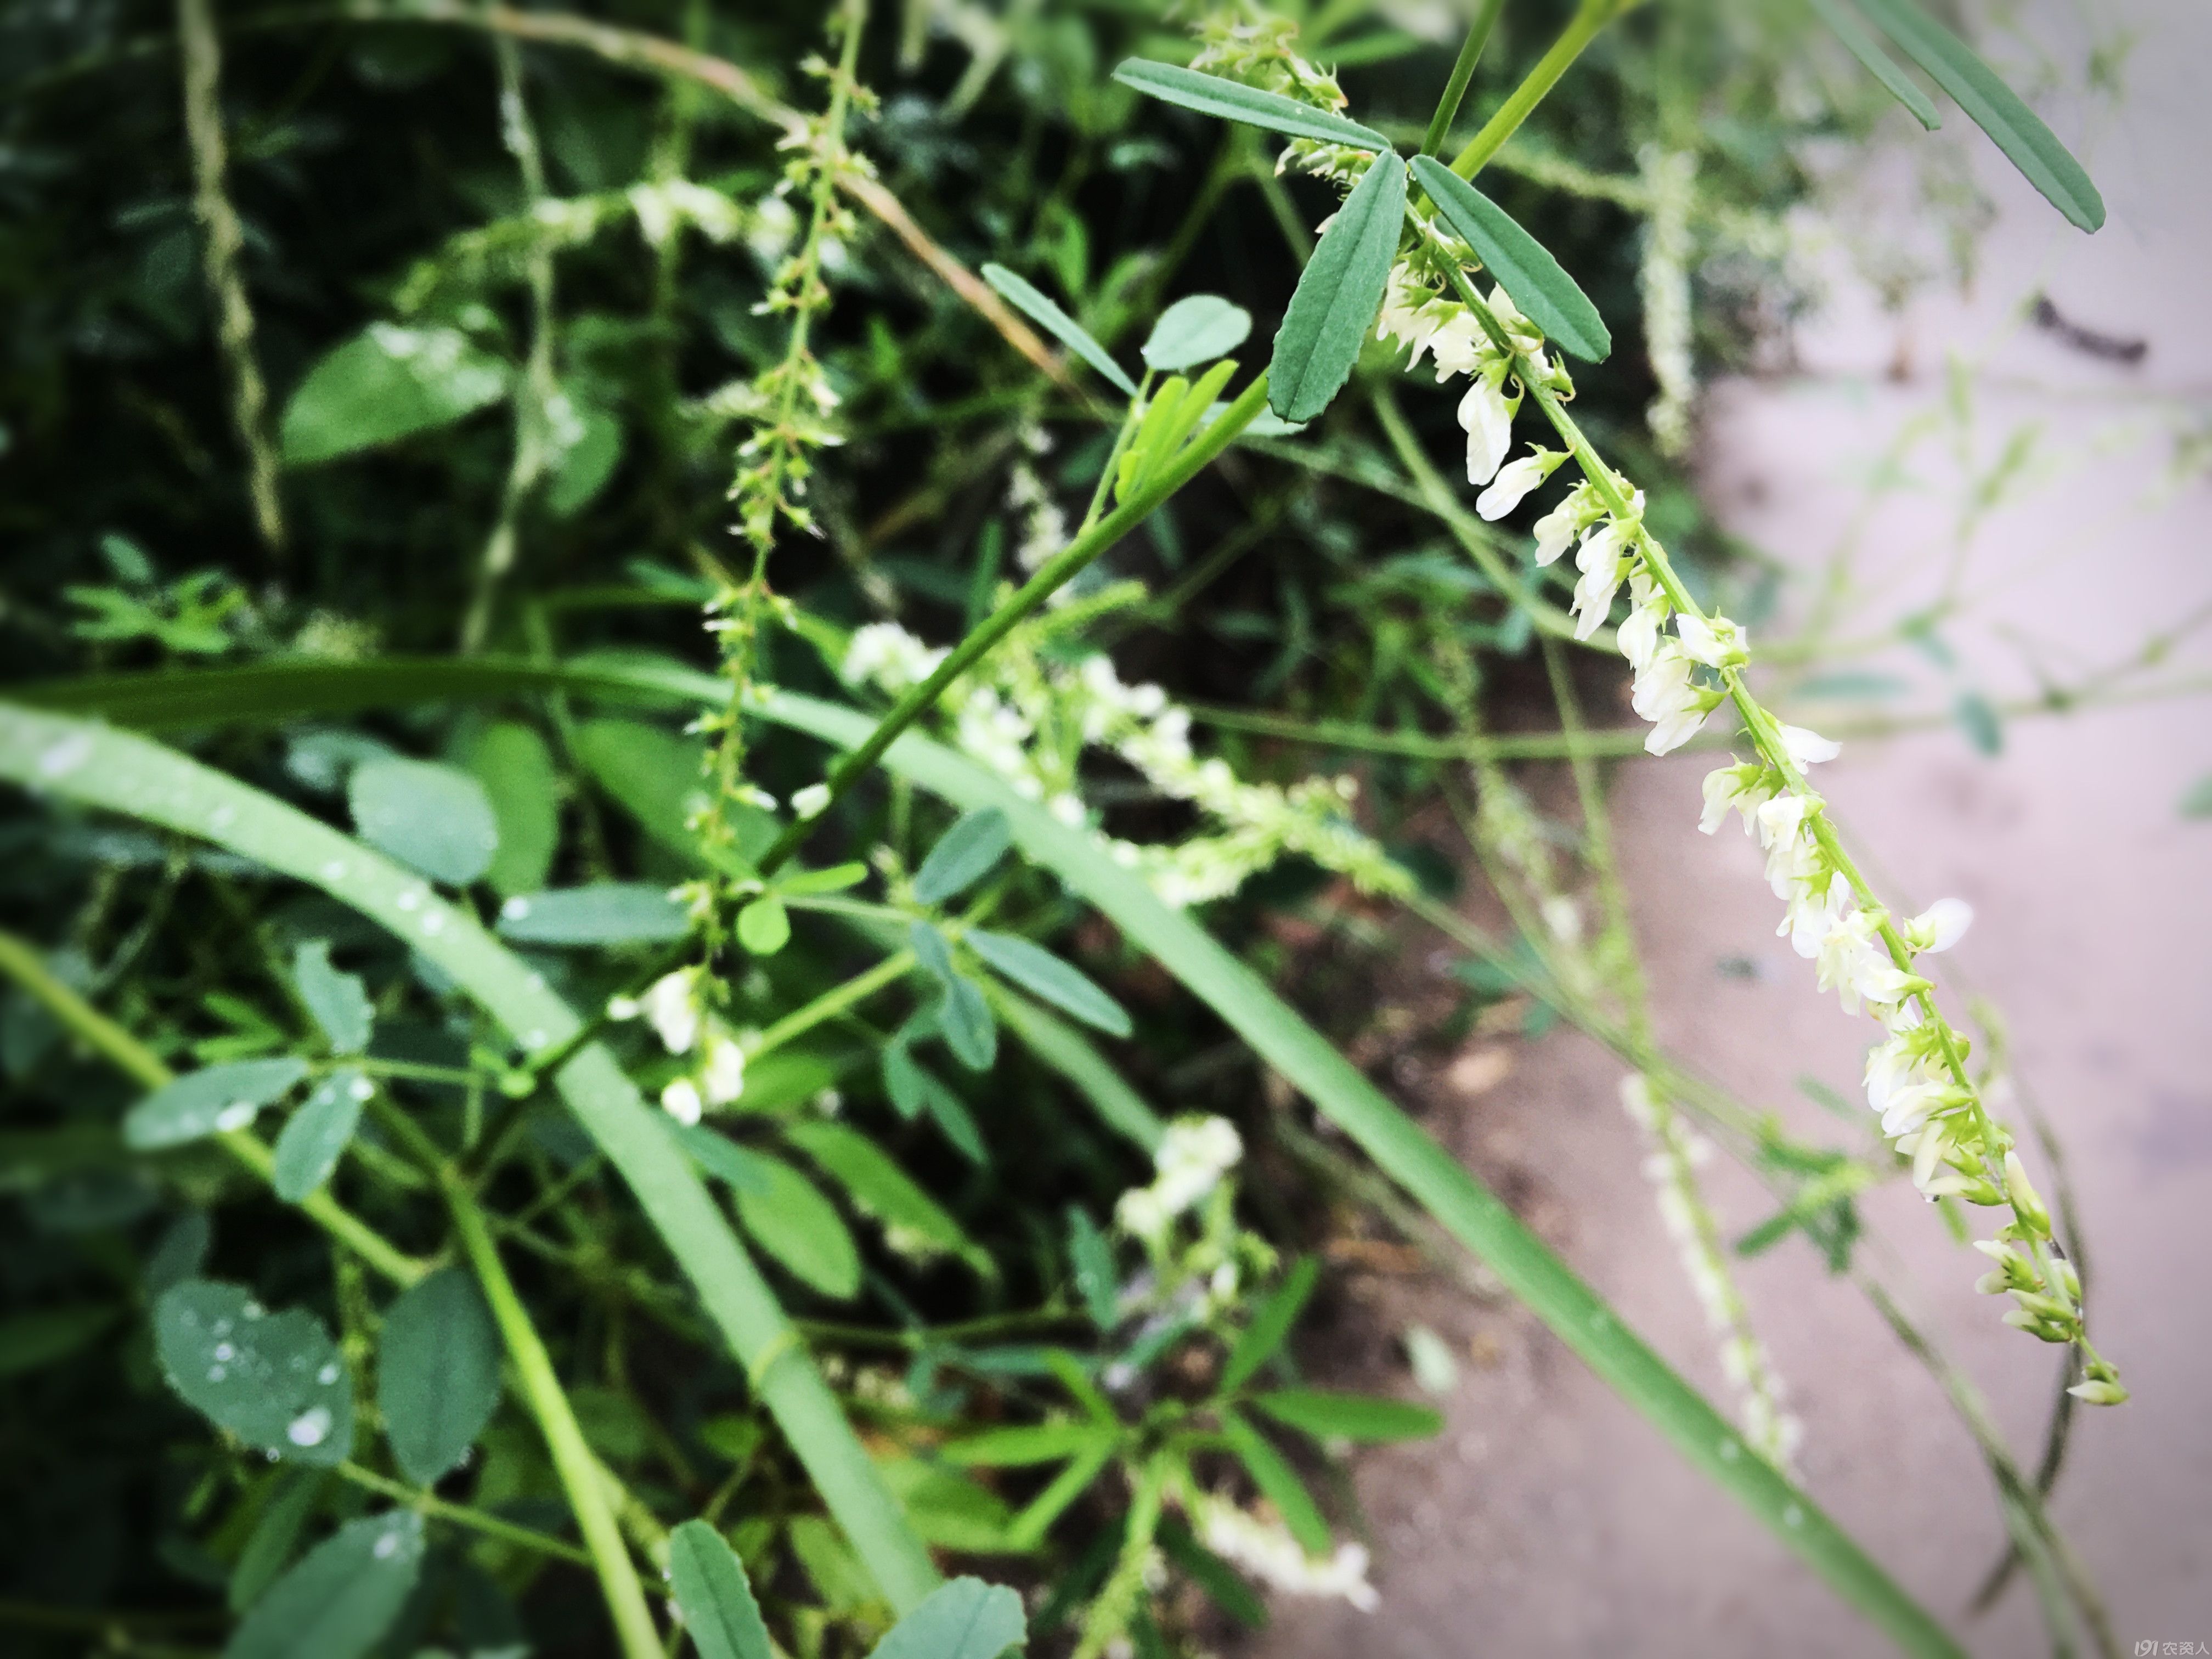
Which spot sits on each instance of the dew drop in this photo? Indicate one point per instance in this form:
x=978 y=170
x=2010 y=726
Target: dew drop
x=310 y=1428
x=253 y=1310
x=386 y=1546
x=225 y=1353
x=334 y=869
x=328 y=1375
x=533 y=1039
x=236 y=1116
x=1793 y=1516
x=435 y=922
x=411 y=900
x=222 y=816
x=65 y=756
x=223 y=1327
x=515 y=908
x=361 y=1088
x=216 y=1373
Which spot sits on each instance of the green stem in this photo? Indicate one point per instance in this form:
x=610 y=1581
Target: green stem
x=1470 y=52
x=21 y=962
x=462 y=1516
x=832 y=1003
x=1056 y=573
x=1590 y=17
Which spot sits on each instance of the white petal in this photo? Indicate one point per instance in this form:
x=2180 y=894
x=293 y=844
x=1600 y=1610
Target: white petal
x=1946 y=921
x=1808 y=748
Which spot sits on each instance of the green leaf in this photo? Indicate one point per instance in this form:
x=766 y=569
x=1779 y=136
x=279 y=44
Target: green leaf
x=966 y=1619
x=1023 y=1444
x=1092 y=1259
x=1232 y=101
x=267 y=1550
x=2196 y=800
x=578 y=469
x=1065 y=1050
x=1195 y=330
x=316 y=1136
x=213 y=1098
x=1323 y=1414
x=969 y=1032
x=1023 y=296
x=716 y=1598
x=1278 y=1483
x=335 y=998
x=437 y=1370
x=764 y=925
x=1270 y=1324
x=737 y=1167
x=338 y=1603
x=877 y=1186
x=512 y=762
x=605 y=913
x=1338 y=295
x=31 y=1341
x=1980 y=722
x=276 y=1381
x=801 y=1228
x=1862 y=47
x=660 y=780
x=386 y=383
x=964 y=855
x=431 y=817
x=792 y=882
x=1523 y=266
x=1993 y=107
x=1044 y=975
x=1212 y=1574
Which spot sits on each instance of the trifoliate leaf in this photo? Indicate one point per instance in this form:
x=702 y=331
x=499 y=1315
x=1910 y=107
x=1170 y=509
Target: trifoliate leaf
x=387 y=384
x=1195 y=330
x=1323 y=1414
x=338 y=1603
x=1043 y=975
x=1878 y=62
x=276 y=1381
x=512 y=763
x=437 y=1369
x=1232 y=101
x=605 y=913
x=1993 y=107
x=1524 y=268
x=801 y=1228
x=966 y=1619
x=964 y=855
x=432 y=817
x=213 y=1098
x=316 y=1136
x=716 y=1598
x=1023 y=296
x=335 y=998
x=1338 y=295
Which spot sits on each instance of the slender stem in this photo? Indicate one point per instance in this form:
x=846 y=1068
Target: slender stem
x=832 y=1003
x=1590 y=18
x=462 y=1516
x=1113 y=456
x=1056 y=573
x=21 y=962
x=1470 y=52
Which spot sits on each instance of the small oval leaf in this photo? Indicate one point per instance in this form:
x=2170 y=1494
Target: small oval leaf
x=276 y=1381
x=969 y=1032
x=316 y=1136
x=1025 y=297
x=335 y=997
x=605 y=913
x=801 y=1228
x=1195 y=330
x=437 y=1366
x=964 y=855
x=338 y=1603
x=1337 y=296
x=430 y=816
x=516 y=769
x=1351 y=1416
x=1524 y=268
x=1043 y=975
x=764 y=925
x=385 y=384
x=714 y=1595
x=966 y=1619
x=213 y=1098
x=1232 y=101
x=1993 y=107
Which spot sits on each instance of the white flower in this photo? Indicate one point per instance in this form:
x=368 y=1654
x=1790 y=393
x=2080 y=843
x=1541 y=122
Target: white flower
x=1665 y=694
x=1600 y=559
x=1939 y=926
x=1647 y=614
x=1717 y=644
x=680 y=1100
x=1808 y=748
x=1269 y=1554
x=1742 y=789
x=1193 y=1157
x=1557 y=530
x=1516 y=482
x=886 y=655
x=1819 y=901
x=671 y=1006
x=1488 y=416
x=722 y=1079
x=810 y=802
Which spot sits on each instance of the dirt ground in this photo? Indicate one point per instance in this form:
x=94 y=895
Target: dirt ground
x=1549 y=1519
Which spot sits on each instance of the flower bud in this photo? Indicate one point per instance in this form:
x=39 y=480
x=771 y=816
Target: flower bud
x=2026 y=1202
x=2098 y=1392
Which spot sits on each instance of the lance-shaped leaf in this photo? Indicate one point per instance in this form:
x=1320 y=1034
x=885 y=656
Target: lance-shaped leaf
x=1524 y=268
x=966 y=1619
x=1337 y=296
x=338 y=1603
x=715 y=1596
x=1023 y=296
x=1232 y=101
x=876 y=1184
x=964 y=855
x=1324 y=1415
x=1278 y=1483
x=210 y=1100
x=437 y=1366
x=1195 y=330
x=1270 y=1324
x=1045 y=976
x=1993 y=107
x=316 y=1136
x=1863 y=46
